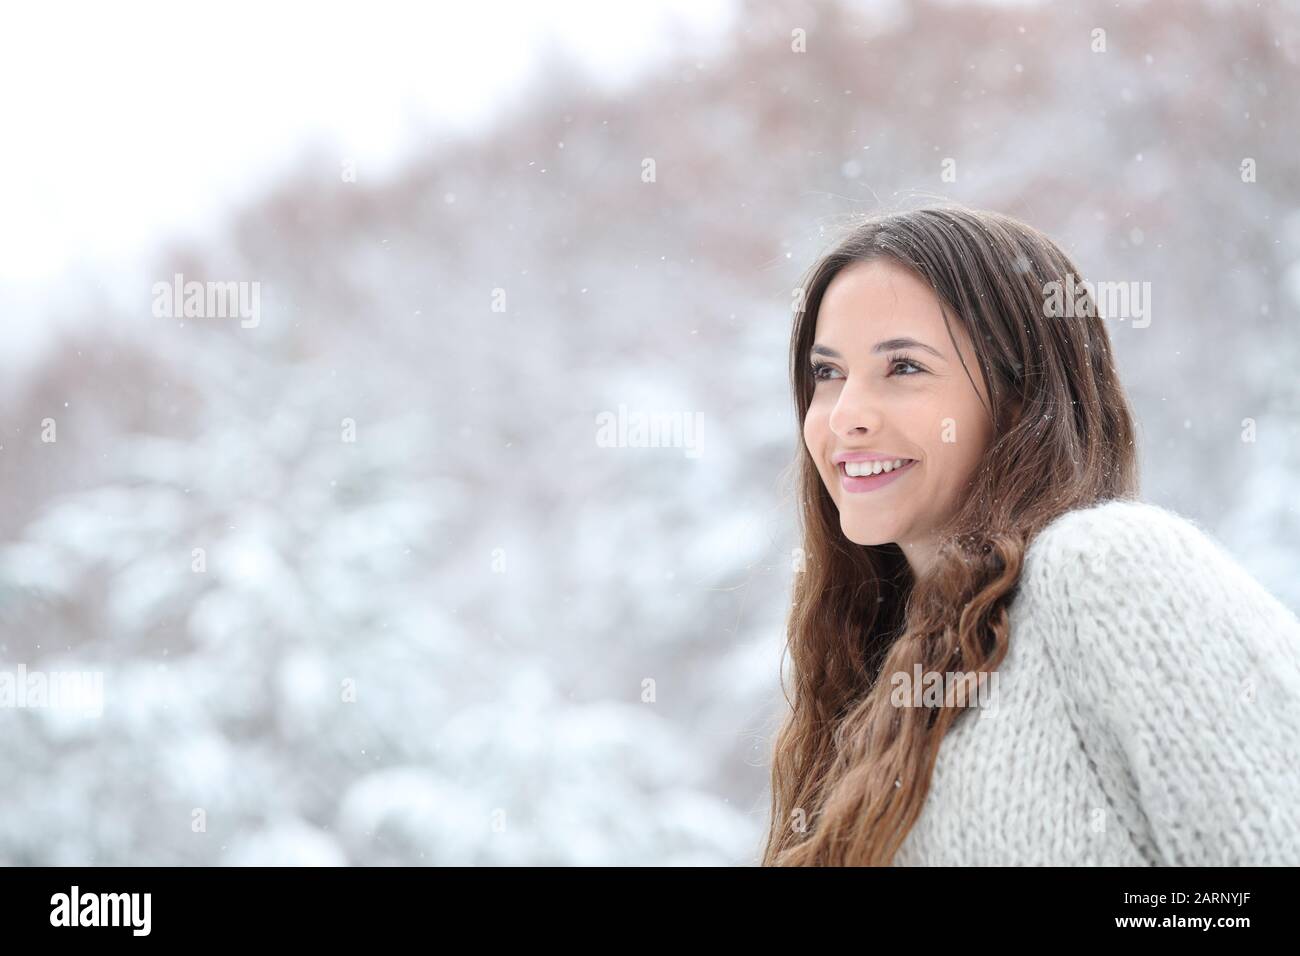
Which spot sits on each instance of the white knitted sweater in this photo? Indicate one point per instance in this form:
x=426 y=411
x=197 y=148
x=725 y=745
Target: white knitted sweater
x=1147 y=712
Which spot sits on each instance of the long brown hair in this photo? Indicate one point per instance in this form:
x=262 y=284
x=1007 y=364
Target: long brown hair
x=850 y=770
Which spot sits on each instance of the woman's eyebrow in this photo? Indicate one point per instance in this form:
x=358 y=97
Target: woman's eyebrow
x=889 y=345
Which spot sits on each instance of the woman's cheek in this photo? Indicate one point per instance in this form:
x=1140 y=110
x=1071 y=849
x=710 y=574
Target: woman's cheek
x=815 y=428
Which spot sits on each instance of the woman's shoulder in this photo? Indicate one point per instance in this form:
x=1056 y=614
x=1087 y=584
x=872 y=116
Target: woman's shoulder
x=1116 y=522
x=1181 y=668
x=1126 y=566
x=1127 y=541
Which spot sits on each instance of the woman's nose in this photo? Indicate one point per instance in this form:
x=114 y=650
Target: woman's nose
x=856 y=411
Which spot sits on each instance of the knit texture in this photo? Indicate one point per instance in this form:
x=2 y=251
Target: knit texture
x=1147 y=712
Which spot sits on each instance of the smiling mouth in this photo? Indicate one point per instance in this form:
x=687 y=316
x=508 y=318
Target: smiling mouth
x=871 y=469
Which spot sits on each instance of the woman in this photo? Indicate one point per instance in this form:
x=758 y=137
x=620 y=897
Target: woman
x=971 y=523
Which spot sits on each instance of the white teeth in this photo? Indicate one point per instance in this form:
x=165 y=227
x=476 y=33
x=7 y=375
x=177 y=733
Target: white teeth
x=863 y=469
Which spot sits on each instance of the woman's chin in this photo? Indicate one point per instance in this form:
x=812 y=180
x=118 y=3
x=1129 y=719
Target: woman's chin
x=868 y=533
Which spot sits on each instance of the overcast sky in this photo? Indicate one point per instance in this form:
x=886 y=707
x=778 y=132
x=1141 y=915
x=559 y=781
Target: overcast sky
x=125 y=124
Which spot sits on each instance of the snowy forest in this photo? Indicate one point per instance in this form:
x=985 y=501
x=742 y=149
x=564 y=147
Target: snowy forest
x=362 y=582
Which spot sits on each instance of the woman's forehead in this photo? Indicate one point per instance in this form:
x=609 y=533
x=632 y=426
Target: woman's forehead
x=879 y=299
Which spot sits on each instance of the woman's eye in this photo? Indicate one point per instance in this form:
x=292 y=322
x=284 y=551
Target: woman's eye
x=821 y=372
x=905 y=362
x=824 y=373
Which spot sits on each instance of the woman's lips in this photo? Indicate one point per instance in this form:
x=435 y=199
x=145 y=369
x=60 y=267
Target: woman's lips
x=873 y=482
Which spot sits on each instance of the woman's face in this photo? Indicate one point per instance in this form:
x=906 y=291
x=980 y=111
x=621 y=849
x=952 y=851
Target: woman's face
x=878 y=397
